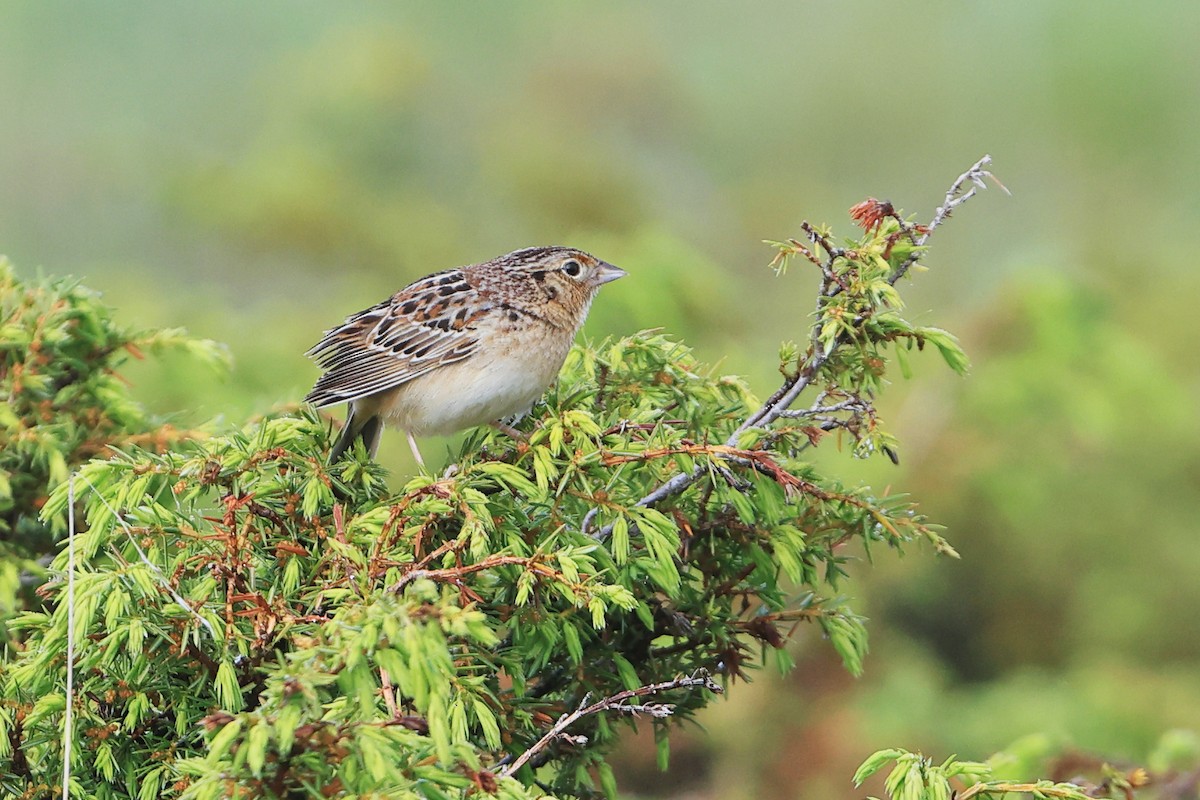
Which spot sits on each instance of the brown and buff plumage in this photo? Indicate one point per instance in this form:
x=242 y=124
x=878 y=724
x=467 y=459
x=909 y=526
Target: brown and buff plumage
x=458 y=348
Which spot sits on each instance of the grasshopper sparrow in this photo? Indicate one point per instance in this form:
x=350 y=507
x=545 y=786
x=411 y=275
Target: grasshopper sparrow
x=458 y=348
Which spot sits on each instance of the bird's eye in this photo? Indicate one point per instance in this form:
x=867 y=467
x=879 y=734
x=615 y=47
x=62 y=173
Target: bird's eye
x=572 y=268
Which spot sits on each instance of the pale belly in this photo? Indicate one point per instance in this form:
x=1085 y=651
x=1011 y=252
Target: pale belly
x=486 y=387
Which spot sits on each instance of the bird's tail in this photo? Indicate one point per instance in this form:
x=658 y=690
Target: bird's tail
x=359 y=425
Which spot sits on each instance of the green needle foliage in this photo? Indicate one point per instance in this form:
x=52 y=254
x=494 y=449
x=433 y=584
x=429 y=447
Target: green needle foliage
x=915 y=777
x=64 y=404
x=236 y=598
x=250 y=621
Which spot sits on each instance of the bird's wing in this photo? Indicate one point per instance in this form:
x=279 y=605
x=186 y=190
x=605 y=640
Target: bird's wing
x=426 y=325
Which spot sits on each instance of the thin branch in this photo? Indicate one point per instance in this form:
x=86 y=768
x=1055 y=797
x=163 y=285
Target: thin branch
x=586 y=525
x=817 y=237
x=618 y=702
x=977 y=175
x=821 y=412
x=779 y=404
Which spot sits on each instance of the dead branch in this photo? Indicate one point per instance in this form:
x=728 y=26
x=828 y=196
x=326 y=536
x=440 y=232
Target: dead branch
x=779 y=404
x=618 y=702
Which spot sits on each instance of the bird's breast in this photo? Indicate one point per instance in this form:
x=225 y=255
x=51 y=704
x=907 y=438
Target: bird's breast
x=505 y=376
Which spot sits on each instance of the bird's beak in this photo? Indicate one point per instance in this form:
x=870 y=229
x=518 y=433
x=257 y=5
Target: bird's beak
x=607 y=273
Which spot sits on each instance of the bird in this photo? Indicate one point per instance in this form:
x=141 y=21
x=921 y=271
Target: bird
x=459 y=348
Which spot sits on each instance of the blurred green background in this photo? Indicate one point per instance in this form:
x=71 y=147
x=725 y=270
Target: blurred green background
x=255 y=172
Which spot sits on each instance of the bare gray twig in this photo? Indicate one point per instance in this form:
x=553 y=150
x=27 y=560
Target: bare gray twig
x=978 y=175
x=617 y=702
x=779 y=404
x=820 y=412
x=587 y=519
